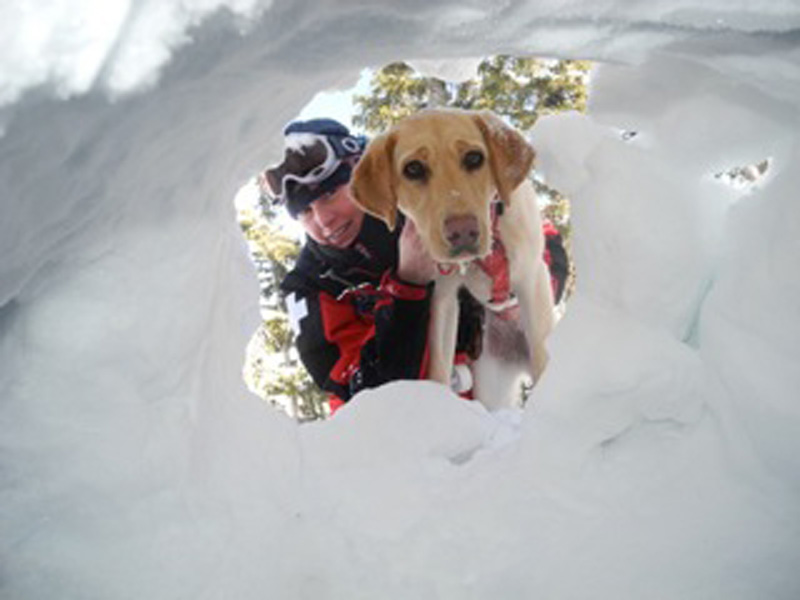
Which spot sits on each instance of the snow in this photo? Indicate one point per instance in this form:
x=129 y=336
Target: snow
x=659 y=455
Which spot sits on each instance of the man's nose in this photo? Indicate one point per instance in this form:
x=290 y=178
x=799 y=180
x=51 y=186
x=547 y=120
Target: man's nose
x=323 y=215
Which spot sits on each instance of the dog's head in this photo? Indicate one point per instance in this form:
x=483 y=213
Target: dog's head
x=443 y=169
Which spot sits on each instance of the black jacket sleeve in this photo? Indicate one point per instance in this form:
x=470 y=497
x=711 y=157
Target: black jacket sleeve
x=364 y=338
x=558 y=262
x=556 y=258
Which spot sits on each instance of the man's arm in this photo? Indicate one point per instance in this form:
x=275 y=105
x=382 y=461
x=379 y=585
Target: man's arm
x=345 y=350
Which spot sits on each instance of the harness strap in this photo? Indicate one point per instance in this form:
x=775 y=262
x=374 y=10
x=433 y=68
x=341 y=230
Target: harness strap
x=496 y=267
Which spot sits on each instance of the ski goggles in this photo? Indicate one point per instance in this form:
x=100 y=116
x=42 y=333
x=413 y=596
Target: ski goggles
x=313 y=165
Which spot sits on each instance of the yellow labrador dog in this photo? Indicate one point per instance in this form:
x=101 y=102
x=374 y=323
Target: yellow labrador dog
x=461 y=177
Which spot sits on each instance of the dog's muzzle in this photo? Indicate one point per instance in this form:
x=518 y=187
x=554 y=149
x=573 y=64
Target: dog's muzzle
x=462 y=233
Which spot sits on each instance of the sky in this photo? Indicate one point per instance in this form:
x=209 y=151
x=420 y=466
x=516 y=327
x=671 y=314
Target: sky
x=337 y=104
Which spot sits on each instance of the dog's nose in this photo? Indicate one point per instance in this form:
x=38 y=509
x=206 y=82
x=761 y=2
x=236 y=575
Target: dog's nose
x=461 y=231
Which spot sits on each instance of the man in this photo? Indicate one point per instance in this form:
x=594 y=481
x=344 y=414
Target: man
x=359 y=295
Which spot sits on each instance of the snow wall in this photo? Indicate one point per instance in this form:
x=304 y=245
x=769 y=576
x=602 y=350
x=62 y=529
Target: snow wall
x=659 y=458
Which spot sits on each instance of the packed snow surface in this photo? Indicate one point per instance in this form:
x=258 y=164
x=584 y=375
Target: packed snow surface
x=658 y=458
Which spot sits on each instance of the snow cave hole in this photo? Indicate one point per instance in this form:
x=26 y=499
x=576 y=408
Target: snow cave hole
x=272 y=368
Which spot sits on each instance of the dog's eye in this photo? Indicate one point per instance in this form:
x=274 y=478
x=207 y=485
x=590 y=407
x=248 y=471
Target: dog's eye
x=415 y=170
x=472 y=160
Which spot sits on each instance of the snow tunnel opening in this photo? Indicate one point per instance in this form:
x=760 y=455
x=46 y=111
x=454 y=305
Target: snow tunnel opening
x=519 y=89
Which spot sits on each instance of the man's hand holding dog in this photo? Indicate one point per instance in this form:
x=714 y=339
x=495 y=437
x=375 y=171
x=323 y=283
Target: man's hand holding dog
x=415 y=264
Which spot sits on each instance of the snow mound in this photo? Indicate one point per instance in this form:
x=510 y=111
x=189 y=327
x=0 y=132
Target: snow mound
x=658 y=458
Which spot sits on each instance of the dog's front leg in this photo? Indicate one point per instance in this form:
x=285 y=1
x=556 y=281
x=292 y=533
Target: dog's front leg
x=442 y=333
x=536 y=313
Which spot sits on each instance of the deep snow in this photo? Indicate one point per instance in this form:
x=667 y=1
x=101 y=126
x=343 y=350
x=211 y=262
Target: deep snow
x=660 y=455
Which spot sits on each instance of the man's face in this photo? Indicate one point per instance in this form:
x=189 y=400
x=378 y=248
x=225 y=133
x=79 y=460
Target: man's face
x=333 y=219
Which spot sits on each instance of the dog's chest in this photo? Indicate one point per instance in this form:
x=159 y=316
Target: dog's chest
x=472 y=278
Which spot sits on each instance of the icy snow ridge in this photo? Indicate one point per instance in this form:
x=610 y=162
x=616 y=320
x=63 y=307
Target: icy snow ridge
x=659 y=456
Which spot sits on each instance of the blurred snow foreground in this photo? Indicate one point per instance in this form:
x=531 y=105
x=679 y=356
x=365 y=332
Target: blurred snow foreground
x=659 y=457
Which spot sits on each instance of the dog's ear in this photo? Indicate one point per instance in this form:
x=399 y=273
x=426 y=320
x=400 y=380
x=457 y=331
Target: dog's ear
x=372 y=185
x=510 y=154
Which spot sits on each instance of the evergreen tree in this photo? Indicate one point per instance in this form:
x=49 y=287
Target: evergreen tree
x=521 y=89
x=273 y=369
